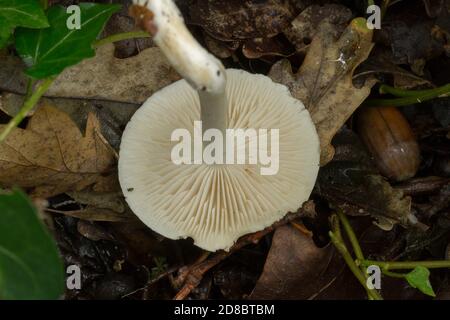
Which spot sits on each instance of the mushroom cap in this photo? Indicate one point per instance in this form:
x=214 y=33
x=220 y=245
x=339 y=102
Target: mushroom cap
x=216 y=204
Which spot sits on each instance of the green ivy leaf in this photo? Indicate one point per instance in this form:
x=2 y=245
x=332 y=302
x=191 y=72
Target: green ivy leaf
x=20 y=13
x=30 y=266
x=419 y=278
x=49 y=51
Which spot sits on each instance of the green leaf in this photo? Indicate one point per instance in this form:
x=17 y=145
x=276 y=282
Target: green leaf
x=5 y=35
x=20 y=13
x=49 y=51
x=419 y=278
x=30 y=266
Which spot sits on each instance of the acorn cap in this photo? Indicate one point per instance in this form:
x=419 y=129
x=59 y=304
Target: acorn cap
x=216 y=204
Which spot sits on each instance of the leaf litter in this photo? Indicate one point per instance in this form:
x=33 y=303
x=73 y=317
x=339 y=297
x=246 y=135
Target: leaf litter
x=96 y=230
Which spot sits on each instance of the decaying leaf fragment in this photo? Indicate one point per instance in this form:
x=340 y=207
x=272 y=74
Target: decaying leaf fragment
x=324 y=81
x=237 y=19
x=295 y=267
x=52 y=156
x=350 y=183
x=303 y=28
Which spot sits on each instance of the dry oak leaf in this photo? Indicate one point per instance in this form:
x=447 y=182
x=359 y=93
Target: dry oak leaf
x=103 y=77
x=52 y=156
x=324 y=81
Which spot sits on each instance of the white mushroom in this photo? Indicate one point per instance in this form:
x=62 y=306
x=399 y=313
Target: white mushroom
x=214 y=204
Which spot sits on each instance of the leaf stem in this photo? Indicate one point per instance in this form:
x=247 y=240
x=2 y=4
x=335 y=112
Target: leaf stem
x=384 y=6
x=120 y=37
x=30 y=85
x=338 y=242
x=396 y=265
x=393 y=274
x=44 y=4
x=384 y=88
x=409 y=98
x=30 y=102
x=351 y=235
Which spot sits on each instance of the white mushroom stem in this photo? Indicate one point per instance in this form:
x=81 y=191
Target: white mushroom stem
x=203 y=71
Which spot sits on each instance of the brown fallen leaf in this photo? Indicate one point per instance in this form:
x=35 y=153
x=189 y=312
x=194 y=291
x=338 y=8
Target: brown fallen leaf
x=237 y=19
x=381 y=63
x=113 y=116
x=293 y=267
x=103 y=77
x=52 y=156
x=347 y=181
x=324 y=81
x=112 y=200
x=304 y=27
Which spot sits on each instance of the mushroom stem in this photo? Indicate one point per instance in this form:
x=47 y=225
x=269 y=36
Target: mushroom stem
x=213 y=110
x=202 y=71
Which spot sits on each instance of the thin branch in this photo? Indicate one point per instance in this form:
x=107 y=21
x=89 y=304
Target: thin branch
x=194 y=273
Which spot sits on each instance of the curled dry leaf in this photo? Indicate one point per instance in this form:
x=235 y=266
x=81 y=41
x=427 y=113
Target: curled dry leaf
x=324 y=81
x=103 y=77
x=52 y=156
x=293 y=267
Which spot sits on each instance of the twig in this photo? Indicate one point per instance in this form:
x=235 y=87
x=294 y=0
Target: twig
x=194 y=273
x=152 y=281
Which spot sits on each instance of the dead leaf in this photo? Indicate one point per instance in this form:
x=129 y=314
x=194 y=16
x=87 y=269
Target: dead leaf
x=414 y=38
x=347 y=181
x=113 y=200
x=52 y=156
x=113 y=116
x=220 y=49
x=324 y=81
x=92 y=231
x=91 y=213
x=102 y=77
x=381 y=63
x=304 y=27
x=237 y=19
x=259 y=47
x=293 y=267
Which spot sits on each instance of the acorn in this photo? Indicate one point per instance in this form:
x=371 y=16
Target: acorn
x=390 y=140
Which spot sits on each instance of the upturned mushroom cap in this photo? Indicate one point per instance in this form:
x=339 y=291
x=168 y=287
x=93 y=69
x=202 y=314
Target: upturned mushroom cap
x=216 y=204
